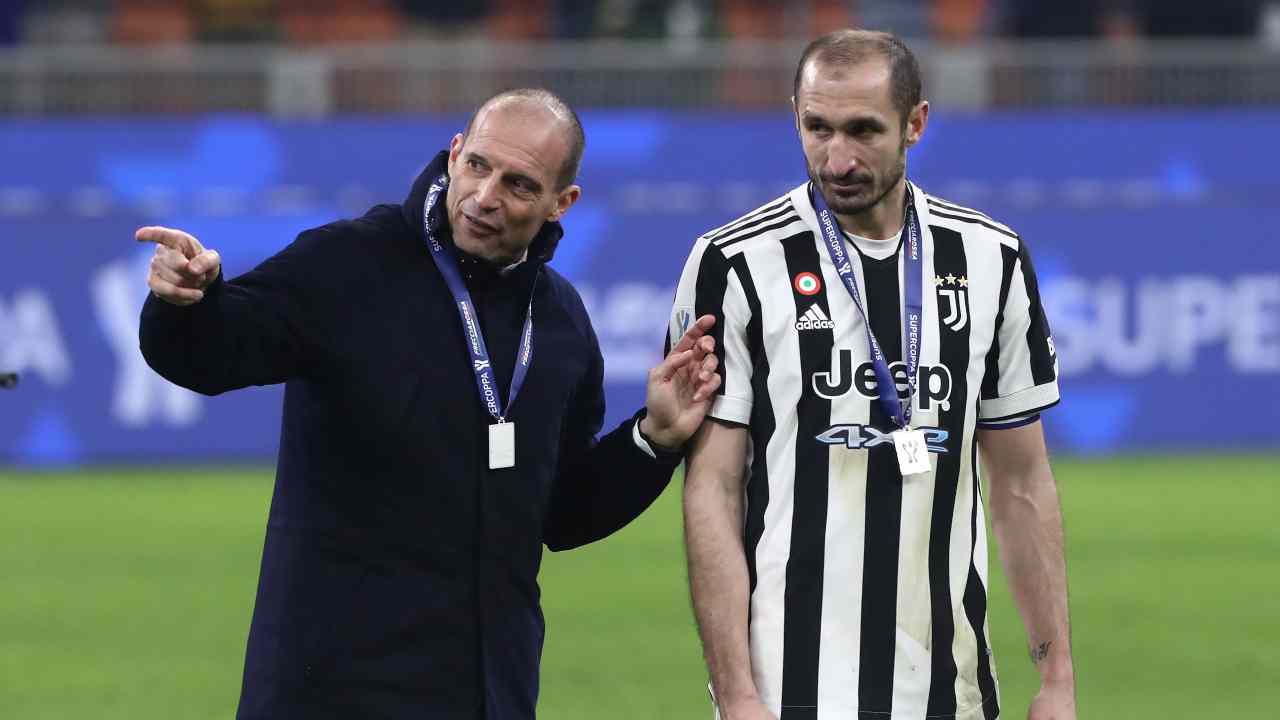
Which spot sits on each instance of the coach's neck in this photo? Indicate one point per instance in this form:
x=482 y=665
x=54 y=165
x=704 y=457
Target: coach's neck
x=881 y=221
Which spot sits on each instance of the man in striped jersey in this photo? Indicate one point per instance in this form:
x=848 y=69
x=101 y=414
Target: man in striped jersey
x=872 y=340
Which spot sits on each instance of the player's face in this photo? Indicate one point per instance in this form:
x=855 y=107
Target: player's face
x=853 y=137
x=502 y=180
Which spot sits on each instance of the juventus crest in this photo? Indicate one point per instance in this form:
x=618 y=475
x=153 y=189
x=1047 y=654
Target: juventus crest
x=954 y=290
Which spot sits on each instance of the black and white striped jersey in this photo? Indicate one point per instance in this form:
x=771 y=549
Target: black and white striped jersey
x=868 y=590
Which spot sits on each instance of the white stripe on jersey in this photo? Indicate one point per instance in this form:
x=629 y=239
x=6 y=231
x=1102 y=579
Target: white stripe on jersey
x=899 y=629
x=772 y=552
x=942 y=209
x=748 y=219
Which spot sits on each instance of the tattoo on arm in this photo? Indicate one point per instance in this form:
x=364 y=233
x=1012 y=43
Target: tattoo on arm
x=1040 y=652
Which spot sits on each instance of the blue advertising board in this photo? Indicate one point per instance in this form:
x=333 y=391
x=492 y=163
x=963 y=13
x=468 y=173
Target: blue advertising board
x=1153 y=234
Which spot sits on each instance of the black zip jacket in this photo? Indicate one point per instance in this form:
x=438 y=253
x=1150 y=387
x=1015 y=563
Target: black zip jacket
x=399 y=573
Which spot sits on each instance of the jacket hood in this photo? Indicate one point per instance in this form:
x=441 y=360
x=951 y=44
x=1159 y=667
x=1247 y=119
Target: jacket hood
x=544 y=243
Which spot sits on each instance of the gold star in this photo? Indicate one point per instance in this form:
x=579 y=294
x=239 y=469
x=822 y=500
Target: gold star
x=937 y=280
x=964 y=281
x=951 y=279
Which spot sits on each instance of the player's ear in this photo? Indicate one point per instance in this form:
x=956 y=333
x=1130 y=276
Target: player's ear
x=917 y=121
x=455 y=150
x=564 y=200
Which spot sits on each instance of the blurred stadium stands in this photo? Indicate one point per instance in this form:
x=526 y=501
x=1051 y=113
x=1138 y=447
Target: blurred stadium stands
x=313 y=22
x=306 y=58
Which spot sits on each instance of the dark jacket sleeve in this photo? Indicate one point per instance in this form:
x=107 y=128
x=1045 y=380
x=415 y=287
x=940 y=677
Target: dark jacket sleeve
x=254 y=330
x=601 y=485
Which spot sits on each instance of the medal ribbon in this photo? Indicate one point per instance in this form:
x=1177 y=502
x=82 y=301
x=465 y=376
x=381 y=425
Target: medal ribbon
x=912 y=306
x=486 y=382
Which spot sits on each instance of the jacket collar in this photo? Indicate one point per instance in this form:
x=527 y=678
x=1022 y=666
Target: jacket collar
x=544 y=243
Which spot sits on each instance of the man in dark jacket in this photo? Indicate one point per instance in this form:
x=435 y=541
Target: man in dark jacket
x=414 y=491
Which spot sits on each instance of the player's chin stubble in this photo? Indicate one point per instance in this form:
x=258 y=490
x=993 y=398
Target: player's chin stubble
x=844 y=206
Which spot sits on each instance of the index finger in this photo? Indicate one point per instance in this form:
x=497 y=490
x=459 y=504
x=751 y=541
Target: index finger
x=695 y=331
x=170 y=238
x=673 y=362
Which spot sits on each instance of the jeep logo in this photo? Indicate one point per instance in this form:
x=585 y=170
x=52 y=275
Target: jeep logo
x=934 y=382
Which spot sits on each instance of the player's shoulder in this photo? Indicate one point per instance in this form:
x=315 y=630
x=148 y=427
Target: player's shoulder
x=378 y=226
x=973 y=225
x=567 y=297
x=561 y=285
x=767 y=223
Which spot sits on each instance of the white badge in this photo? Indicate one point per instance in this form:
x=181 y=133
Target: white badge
x=502 y=445
x=913 y=452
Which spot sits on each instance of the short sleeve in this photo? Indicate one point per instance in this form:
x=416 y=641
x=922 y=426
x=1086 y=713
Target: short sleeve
x=710 y=286
x=1022 y=366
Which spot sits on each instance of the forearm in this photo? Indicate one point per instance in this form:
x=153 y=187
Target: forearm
x=718 y=584
x=221 y=343
x=602 y=487
x=182 y=343
x=1027 y=519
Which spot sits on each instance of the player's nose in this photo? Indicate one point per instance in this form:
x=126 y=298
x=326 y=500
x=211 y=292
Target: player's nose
x=488 y=193
x=842 y=159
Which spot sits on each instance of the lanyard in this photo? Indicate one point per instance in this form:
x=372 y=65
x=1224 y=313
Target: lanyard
x=486 y=382
x=912 y=307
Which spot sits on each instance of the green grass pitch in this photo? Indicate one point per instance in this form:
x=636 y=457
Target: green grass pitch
x=126 y=594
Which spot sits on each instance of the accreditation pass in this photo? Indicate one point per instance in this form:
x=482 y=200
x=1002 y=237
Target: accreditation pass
x=913 y=451
x=502 y=445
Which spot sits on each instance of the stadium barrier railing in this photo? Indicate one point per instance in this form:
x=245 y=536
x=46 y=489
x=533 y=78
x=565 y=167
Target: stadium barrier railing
x=454 y=76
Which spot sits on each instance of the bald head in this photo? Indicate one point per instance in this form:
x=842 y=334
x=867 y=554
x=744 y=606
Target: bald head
x=541 y=106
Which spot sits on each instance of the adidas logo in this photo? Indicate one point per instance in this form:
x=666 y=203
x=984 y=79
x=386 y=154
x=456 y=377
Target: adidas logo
x=814 y=319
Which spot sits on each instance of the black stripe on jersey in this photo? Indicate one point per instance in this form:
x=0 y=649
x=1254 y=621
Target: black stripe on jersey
x=763 y=422
x=802 y=631
x=758 y=226
x=946 y=205
x=749 y=219
x=788 y=217
x=1040 y=409
x=1038 y=332
x=975 y=603
x=883 y=509
x=708 y=299
x=1009 y=424
x=953 y=352
x=991 y=376
x=979 y=221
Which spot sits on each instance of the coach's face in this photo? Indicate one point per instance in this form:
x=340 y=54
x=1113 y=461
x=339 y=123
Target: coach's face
x=854 y=138
x=503 y=177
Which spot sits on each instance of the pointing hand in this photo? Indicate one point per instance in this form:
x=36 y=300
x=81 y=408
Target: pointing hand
x=181 y=268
